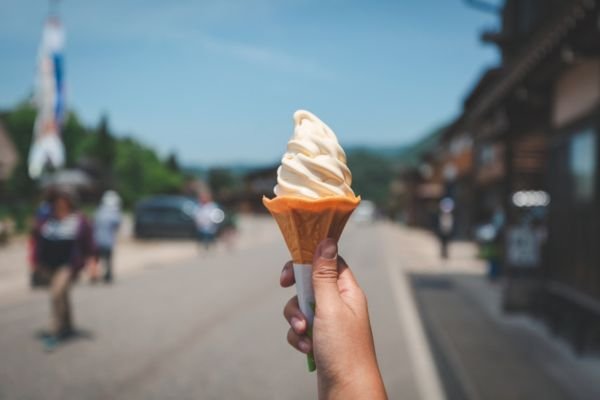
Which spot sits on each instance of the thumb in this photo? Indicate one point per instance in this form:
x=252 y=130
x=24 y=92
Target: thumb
x=325 y=272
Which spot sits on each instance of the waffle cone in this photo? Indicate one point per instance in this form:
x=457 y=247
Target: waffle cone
x=304 y=223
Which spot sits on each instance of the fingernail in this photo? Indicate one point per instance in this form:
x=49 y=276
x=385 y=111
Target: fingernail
x=297 y=324
x=304 y=345
x=283 y=273
x=329 y=249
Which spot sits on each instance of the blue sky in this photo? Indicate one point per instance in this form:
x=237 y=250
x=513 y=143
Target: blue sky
x=217 y=81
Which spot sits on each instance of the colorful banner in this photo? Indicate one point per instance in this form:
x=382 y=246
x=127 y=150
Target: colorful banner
x=47 y=149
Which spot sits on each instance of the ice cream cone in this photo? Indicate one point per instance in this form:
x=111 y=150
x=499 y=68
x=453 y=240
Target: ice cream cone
x=313 y=201
x=306 y=222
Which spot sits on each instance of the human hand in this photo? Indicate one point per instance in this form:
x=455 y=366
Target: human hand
x=342 y=341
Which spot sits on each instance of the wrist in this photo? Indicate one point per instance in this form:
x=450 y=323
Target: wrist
x=362 y=382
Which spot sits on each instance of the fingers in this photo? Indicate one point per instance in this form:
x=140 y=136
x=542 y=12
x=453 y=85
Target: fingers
x=294 y=316
x=349 y=289
x=297 y=334
x=300 y=343
x=346 y=280
x=325 y=273
x=287 y=275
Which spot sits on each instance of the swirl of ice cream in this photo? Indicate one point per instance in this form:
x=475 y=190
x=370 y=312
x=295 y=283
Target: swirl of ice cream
x=314 y=165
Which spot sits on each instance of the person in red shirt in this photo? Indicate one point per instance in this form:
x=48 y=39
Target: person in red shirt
x=62 y=243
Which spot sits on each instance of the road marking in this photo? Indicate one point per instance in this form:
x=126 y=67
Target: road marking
x=428 y=380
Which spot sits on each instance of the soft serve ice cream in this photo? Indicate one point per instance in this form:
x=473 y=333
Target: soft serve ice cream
x=313 y=200
x=314 y=165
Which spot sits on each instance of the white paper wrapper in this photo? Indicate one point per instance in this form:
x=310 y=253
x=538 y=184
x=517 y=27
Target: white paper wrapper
x=306 y=301
x=304 y=290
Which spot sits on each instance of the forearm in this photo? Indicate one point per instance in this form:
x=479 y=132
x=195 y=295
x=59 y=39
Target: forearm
x=366 y=383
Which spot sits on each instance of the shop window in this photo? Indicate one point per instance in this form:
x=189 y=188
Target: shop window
x=583 y=161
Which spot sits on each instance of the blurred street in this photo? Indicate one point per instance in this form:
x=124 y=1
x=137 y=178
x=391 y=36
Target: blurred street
x=142 y=155
x=211 y=327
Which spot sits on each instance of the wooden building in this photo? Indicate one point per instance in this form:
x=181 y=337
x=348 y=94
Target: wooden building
x=530 y=132
x=456 y=158
x=256 y=184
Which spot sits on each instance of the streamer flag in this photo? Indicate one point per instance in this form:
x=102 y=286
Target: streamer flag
x=47 y=149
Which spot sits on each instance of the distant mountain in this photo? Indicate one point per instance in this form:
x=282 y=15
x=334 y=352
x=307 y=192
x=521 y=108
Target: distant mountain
x=411 y=155
x=391 y=152
x=236 y=169
x=403 y=154
x=406 y=155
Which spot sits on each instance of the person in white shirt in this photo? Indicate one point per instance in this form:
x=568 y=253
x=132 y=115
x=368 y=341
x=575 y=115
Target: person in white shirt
x=208 y=218
x=106 y=226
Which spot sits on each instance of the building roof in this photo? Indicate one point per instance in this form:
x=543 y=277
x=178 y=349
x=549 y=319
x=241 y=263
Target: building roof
x=541 y=44
x=485 y=82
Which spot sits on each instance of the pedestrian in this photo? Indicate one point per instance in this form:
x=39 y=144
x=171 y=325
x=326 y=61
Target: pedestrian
x=208 y=217
x=61 y=243
x=107 y=221
x=341 y=340
x=445 y=224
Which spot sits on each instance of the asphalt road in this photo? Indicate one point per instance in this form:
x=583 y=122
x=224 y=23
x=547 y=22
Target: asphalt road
x=207 y=328
x=212 y=328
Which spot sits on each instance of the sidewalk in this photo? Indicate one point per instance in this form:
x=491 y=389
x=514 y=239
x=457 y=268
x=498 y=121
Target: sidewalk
x=131 y=255
x=480 y=352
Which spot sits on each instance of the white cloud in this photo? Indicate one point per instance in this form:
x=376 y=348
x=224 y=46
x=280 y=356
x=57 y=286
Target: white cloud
x=264 y=56
x=182 y=24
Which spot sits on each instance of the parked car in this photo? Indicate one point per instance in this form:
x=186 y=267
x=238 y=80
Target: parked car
x=165 y=216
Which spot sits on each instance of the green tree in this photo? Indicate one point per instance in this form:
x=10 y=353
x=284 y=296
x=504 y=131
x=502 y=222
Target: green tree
x=133 y=168
x=172 y=163
x=105 y=144
x=222 y=182
x=371 y=175
x=74 y=134
x=140 y=172
x=19 y=124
